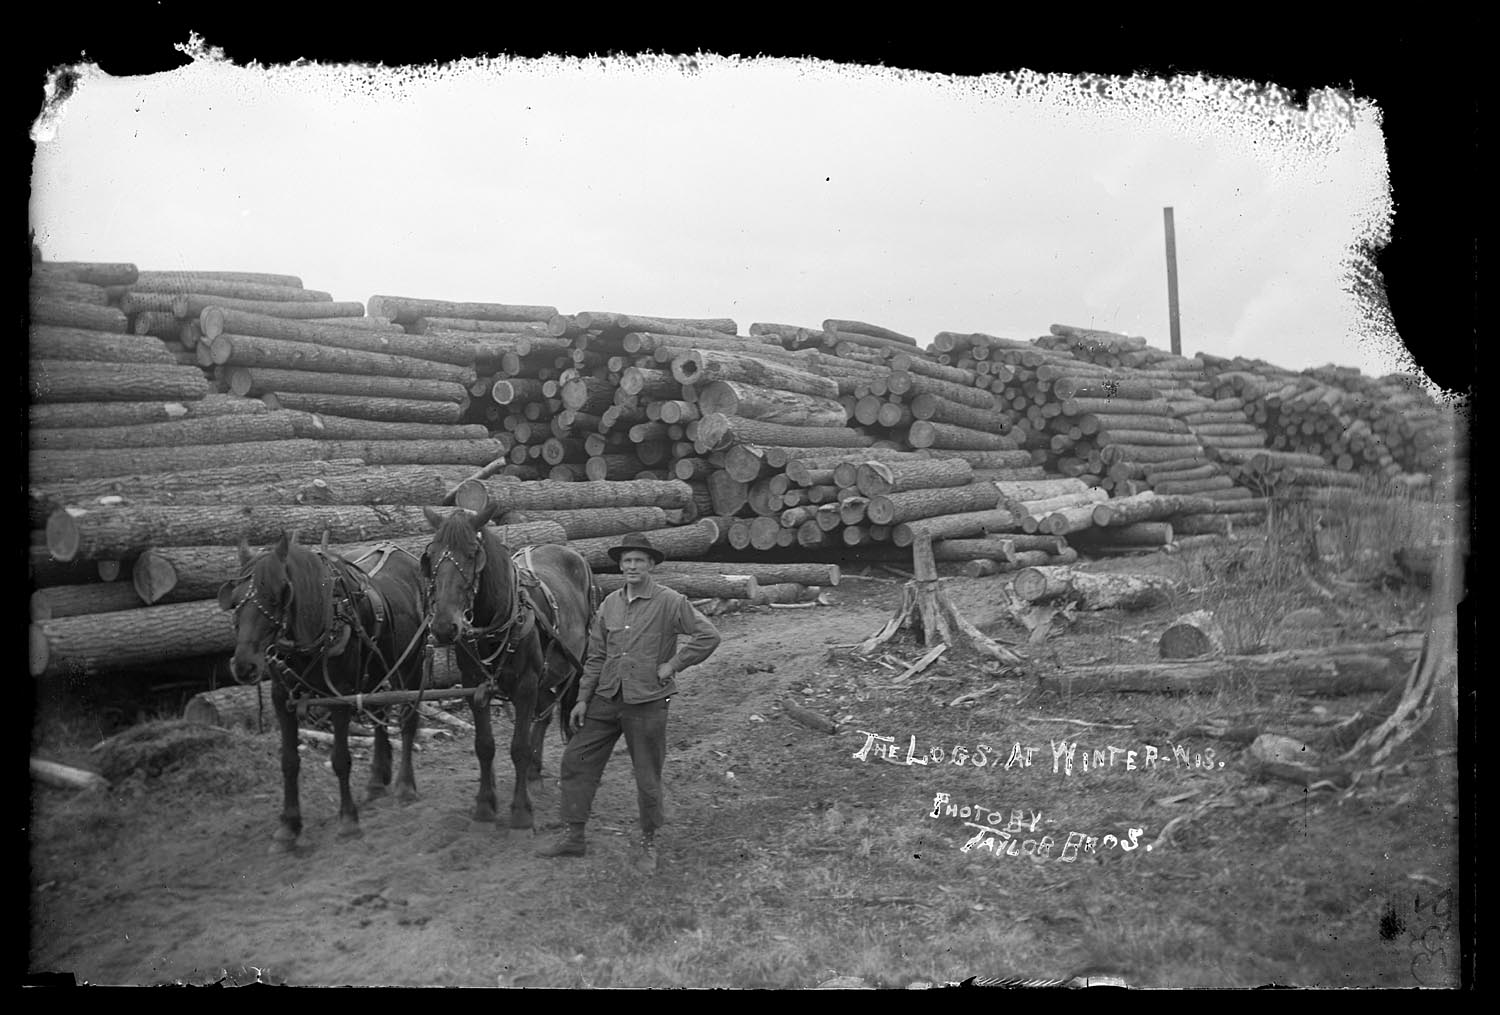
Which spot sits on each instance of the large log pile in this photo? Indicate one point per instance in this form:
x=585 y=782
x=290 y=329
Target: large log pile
x=201 y=406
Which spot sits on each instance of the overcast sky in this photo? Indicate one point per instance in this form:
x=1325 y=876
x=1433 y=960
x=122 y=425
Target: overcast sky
x=769 y=190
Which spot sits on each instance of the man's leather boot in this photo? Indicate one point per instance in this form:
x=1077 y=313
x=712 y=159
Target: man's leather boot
x=569 y=843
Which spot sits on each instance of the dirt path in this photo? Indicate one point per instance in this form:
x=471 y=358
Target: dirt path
x=786 y=860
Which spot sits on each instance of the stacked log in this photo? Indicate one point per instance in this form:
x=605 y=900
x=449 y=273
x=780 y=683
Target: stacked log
x=1381 y=427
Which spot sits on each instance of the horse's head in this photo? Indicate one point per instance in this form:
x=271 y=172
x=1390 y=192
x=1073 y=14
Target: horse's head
x=258 y=597
x=265 y=600
x=455 y=568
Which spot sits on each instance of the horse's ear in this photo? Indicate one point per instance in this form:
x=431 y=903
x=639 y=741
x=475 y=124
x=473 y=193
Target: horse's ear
x=324 y=545
x=226 y=597
x=245 y=555
x=284 y=544
x=434 y=518
x=479 y=519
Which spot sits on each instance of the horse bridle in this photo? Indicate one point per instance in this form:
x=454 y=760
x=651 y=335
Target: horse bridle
x=280 y=647
x=499 y=629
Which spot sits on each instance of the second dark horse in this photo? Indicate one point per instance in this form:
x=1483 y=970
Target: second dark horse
x=521 y=638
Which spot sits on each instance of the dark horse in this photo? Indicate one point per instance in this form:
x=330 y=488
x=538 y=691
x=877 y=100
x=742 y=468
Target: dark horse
x=514 y=636
x=324 y=626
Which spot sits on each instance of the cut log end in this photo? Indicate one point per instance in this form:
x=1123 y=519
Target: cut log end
x=1192 y=636
x=62 y=535
x=152 y=576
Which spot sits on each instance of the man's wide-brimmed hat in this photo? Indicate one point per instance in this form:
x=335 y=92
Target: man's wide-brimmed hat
x=636 y=541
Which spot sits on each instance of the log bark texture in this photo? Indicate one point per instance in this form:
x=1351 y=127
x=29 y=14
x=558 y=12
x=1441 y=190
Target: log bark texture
x=59 y=343
x=893 y=509
x=1347 y=669
x=125 y=531
x=927 y=434
x=717 y=431
x=259 y=381
x=233 y=429
x=549 y=496
x=100 y=642
x=1092 y=591
x=109 y=414
x=877 y=478
x=586 y=523
x=385 y=410
x=770 y=405
x=407 y=310
x=807 y=574
x=694 y=586
x=249 y=351
x=76 y=381
x=702 y=366
x=71 y=314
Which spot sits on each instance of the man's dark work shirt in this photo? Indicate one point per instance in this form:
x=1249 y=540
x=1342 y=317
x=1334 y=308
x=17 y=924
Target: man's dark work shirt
x=631 y=638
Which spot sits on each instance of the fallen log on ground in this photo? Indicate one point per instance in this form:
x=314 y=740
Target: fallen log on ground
x=1344 y=669
x=1092 y=591
x=62 y=776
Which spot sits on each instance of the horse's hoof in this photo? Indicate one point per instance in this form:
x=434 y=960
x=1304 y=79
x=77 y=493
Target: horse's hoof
x=406 y=795
x=281 y=846
x=350 y=830
x=373 y=793
x=520 y=821
x=483 y=815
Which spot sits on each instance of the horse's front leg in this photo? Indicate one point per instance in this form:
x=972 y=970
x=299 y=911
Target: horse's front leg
x=290 y=825
x=380 y=762
x=342 y=765
x=484 y=746
x=406 y=782
x=522 y=741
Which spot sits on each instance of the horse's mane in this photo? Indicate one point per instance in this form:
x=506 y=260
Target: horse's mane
x=308 y=619
x=497 y=566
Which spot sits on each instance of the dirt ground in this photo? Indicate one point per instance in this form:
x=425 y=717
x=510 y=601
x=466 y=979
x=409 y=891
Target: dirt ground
x=787 y=860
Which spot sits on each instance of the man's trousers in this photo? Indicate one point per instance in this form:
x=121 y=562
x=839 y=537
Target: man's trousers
x=645 y=729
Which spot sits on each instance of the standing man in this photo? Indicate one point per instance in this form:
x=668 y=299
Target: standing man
x=628 y=678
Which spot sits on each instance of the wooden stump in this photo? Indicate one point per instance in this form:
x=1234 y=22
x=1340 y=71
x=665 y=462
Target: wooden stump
x=931 y=616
